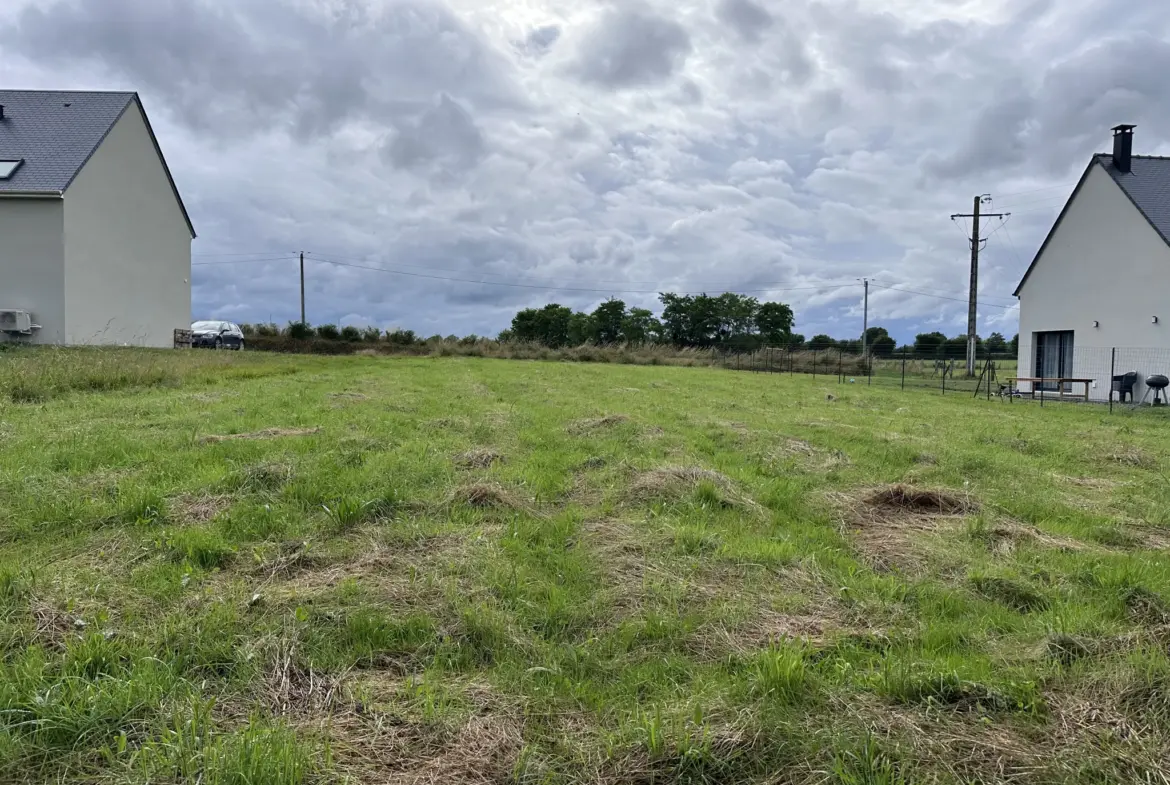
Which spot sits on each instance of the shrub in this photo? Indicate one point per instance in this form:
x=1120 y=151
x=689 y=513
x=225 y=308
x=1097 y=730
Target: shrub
x=371 y=335
x=351 y=334
x=328 y=332
x=401 y=337
x=300 y=331
x=268 y=330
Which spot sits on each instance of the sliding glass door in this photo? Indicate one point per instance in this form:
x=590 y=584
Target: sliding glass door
x=1054 y=357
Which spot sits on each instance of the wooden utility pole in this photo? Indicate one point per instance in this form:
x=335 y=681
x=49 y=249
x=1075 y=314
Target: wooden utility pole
x=303 y=287
x=865 y=321
x=974 y=215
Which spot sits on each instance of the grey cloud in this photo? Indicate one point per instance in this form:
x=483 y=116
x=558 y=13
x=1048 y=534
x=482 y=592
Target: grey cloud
x=445 y=133
x=1060 y=119
x=630 y=47
x=747 y=18
x=254 y=64
x=541 y=39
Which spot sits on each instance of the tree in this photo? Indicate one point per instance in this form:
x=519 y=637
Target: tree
x=995 y=344
x=548 y=325
x=821 y=342
x=882 y=346
x=582 y=329
x=1015 y=344
x=929 y=343
x=956 y=347
x=795 y=341
x=329 y=332
x=774 y=323
x=640 y=326
x=607 y=321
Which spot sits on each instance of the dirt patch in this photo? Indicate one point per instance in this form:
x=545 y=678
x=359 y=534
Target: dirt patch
x=349 y=396
x=596 y=462
x=197 y=509
x=267 y=433
x=478 y=459
x=579 y=427
x=913 y=500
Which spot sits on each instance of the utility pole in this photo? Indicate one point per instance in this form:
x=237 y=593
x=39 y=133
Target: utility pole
x=974 y=215
x=865 y=321
x=302 y=287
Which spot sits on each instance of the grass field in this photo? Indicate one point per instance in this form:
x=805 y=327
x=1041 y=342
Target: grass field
x=259 y=569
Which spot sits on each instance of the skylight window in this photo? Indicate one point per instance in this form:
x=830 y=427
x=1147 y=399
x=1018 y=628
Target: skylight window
x=9 y=167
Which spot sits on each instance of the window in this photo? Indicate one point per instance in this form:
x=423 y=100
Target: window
x=8 y=167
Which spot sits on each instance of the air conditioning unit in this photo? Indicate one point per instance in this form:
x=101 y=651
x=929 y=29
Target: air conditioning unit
x=16 y=321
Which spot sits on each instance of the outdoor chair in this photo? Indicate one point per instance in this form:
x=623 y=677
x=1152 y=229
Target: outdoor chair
x=1123 y=385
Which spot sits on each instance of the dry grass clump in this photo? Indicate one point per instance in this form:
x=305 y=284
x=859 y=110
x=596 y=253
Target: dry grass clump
x=671 y=480
x=267 y=433
x=1133 y=456
x=484 y=495
x=195 y=509
x=579 y=427
x=888 y=524
x=478 y=459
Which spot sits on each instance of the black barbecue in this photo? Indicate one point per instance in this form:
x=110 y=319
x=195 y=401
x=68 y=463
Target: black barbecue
x=1158 y=383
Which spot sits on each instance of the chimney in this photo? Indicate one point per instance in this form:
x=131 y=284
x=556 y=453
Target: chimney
x=1123 y=147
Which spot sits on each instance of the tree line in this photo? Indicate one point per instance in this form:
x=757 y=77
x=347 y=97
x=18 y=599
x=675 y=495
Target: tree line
x=731 y=321
x=728 y=321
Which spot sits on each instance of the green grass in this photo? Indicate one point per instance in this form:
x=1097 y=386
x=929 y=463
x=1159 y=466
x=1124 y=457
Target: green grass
x=462 y=569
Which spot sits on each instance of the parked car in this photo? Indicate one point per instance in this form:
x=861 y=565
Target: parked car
x=217 y=335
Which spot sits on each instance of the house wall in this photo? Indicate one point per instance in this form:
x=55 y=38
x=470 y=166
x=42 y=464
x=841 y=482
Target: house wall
x=1105 y=263
x=32 y=265
x=127 y=245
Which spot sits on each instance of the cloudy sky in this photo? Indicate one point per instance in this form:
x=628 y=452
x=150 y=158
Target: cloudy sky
x=574 y=149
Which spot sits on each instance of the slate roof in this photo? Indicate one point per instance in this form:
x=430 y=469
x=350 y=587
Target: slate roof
x=56 y=132
x=1147 y=185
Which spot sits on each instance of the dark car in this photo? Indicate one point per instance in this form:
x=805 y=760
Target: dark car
x=217 y=335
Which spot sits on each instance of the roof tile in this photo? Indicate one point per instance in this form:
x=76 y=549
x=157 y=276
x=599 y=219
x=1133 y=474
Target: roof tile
x=55 y=133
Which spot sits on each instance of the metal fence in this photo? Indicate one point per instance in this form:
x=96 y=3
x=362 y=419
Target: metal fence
x=1085 y=374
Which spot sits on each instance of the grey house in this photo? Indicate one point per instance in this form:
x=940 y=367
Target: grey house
x=95 y=243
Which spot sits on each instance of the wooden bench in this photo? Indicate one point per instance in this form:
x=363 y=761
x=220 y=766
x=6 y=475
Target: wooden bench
x=1059 y=381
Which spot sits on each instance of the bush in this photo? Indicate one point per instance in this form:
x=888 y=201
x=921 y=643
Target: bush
x=371 y=335
x=267 y=330
x=351 y=334
x=401 y=337
x=299 y=331
x=328 y=332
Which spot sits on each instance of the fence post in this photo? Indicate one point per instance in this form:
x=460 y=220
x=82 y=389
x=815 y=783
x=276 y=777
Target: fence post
x=1112 y=373
x=903 y=369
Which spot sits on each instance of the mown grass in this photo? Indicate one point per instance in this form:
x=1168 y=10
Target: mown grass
x=452 y=570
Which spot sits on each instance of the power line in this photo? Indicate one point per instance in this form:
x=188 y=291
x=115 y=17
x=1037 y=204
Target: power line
x=240 y=253
x=623 y=281
x=1038 y=190
x=554 y=287
x=938 y=296
x=246 y=261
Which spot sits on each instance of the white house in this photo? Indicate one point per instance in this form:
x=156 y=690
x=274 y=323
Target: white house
x=1101 y=279
x=95 y=243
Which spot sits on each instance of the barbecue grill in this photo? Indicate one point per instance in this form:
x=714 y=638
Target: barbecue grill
x=1158 y=383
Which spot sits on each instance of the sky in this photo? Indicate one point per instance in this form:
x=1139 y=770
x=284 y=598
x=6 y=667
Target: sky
x=503 y=154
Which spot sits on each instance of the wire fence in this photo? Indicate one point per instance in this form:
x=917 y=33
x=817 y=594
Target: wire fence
x=1112 y=375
